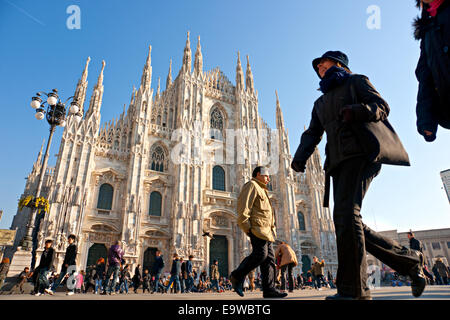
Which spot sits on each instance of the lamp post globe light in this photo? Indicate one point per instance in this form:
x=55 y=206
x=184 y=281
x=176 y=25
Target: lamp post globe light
x=55 y=114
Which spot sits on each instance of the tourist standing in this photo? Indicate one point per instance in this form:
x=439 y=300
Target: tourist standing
x=69 y=260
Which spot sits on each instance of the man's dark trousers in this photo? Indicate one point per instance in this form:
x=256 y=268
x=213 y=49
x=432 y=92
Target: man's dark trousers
x=288 y=268
x=351 y=179
x=262 y=256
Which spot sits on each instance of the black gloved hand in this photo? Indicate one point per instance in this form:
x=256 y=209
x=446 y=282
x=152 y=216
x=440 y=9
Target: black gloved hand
x=298 y=167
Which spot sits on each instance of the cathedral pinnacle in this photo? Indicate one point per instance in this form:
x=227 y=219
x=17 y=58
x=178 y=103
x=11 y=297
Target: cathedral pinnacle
x=279 y=113
x=249 y=77
x=158 y=91
x=169 y=75
x=147 y=73
x=85 y=71
x=187 y=57
x=198 y=63
x=239 y=74
x=100 y=77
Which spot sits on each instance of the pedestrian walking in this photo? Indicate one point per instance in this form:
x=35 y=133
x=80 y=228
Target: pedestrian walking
x=288 y=260
x=174 y=273
x=257 y=219
x=115 y=259
x=146 y=281
x=4 y=268
x=69 y=260
x=44 y=268
x=137 y=278
x=125 y=279
x=189 y=274
x=442 y=270
x=99 y=275
x=251 y=280
x=215 y=275
x=79 y=286
x=432 y=29
x=90 y=279
x=359 y=140
x=183 y=275
x=157 y=268
x=414 y=243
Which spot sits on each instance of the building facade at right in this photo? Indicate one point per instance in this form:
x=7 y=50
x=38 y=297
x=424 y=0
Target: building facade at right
x=436 y=244
x=445 y=176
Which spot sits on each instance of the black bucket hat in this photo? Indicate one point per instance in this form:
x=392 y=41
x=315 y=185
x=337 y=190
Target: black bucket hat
x=337 y=56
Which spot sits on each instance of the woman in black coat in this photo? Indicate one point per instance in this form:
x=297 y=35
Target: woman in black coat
x=349 y=103
x=136 y=278
x=433 y=68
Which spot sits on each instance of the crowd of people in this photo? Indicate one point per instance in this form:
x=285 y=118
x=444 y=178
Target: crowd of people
x=114 y=276
x=183 y=278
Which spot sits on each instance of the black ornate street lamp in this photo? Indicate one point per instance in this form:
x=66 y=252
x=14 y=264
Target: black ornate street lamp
x=56 y=116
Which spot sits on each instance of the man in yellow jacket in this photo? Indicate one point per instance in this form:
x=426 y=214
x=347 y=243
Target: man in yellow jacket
x=257 y=219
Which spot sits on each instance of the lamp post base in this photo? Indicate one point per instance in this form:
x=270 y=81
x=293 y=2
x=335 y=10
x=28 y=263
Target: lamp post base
x=21 y=259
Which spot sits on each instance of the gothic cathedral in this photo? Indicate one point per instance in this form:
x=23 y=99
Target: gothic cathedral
x=119 y=181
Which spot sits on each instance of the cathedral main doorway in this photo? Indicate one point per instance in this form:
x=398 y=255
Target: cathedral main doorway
x=306 y=263
x=218 y=250
x=149 y=259
x=96 y=251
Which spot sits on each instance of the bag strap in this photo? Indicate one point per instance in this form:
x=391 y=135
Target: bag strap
x=353 y=94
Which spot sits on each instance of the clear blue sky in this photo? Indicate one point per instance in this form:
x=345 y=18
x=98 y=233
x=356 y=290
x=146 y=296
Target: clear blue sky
x=40 y=53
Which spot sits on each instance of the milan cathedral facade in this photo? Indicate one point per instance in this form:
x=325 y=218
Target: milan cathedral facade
x=121 y=180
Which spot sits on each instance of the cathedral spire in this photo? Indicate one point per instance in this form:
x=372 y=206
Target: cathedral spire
x=37 y=164
x=279 y=113
x=198 y=63
x=187 y=57
x=169 y=76
x=85 y=71
x=39 y=158
x=158 y=91
x=249 y=77
x=80 y=91
x=239 y=74
x=100 y=77
x=146 y=78
x=97 y=94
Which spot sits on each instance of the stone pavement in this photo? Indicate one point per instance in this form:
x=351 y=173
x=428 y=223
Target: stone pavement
x=383 y=293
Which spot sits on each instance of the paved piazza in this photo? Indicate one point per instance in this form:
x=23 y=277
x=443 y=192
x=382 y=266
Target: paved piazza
x=384 y=293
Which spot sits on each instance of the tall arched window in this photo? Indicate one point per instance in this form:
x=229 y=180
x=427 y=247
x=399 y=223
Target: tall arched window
x=105 y=197
x=157 y=159
x=216 y=124
x=301 y=221
x=218 y=178
x=155 y=204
